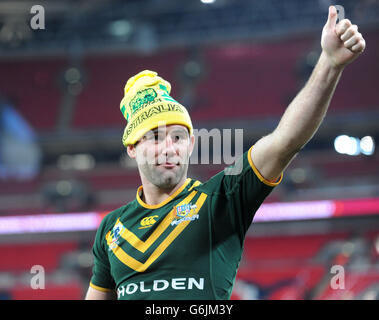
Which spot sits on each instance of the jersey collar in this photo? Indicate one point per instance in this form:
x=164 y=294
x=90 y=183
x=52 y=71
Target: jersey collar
x=159 y=205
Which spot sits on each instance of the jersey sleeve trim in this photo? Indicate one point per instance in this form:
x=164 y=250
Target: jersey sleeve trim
x=99 y=288
x=260 y=177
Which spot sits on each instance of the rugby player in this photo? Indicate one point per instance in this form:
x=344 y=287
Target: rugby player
x=181 y=238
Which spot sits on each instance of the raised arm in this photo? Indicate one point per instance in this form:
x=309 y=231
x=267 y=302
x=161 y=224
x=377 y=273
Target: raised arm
x=341 y=44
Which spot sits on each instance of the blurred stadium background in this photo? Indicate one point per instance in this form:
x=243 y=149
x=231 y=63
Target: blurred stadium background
x=234 y=64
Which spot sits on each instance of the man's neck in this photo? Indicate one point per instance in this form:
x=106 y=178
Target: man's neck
x=153 y=195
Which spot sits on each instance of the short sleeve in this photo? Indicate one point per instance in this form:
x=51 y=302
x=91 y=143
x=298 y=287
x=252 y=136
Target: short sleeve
x=101 y=274
x=241 y=190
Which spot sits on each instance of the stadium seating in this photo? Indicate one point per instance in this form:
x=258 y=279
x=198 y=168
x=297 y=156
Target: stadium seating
x=357 y=167
x=287 y=267
x=356 y=285
x=293 y=267
x=298 y=248
x=68 y=291
x=21 y=257
x=99 y=104
x=33 y=88
x=17 y=262
x=246 y=81
x=240 y=81
x=19 y=187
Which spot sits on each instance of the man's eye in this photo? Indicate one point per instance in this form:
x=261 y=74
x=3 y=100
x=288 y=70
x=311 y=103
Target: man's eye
x=180 y=137
x=148 y=137
x=159 y=137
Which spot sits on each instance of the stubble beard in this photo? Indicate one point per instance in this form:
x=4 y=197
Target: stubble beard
x=165 y=179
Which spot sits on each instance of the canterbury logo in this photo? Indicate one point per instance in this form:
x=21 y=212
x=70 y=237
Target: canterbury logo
x=144 y=245
x=147 y=222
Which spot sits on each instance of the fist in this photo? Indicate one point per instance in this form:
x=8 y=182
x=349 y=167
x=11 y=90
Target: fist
x=341 y=42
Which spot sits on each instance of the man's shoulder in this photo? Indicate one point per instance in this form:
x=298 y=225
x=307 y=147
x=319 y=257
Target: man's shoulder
x=227 y=180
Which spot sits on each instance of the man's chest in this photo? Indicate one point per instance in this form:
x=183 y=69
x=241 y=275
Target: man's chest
x=144 y=240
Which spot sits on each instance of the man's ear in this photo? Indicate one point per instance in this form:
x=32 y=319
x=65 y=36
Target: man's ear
x=132 y=152
x=192 y=143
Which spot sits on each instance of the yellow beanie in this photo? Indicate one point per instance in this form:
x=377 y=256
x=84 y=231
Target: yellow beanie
x=147 y=104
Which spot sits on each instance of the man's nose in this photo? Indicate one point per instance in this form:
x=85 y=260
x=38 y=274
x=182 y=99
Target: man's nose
x=169 y=146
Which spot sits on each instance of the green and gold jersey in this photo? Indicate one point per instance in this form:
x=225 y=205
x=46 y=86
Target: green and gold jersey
x=187 y=247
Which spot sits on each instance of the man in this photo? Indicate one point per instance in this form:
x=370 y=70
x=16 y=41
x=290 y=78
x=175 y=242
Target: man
x=183 y=239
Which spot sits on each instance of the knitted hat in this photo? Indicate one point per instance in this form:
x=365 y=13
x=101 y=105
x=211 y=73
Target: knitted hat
x=147 y=105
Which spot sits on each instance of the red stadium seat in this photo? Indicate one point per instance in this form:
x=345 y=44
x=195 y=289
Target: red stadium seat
x=355 y=285
x=69 y=291
x=32 y=86
x=21 y=257
x=287 y=247
x=99 y=104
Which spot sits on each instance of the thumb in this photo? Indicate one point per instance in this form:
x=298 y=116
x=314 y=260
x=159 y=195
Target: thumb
x=332 y=17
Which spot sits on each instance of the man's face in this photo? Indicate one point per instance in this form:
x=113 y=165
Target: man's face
x=163 y=155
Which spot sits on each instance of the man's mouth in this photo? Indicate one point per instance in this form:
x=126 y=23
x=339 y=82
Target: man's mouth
x=167 y=165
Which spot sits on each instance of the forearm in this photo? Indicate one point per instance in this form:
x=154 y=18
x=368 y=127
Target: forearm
x=341 y=44
x=306 y=112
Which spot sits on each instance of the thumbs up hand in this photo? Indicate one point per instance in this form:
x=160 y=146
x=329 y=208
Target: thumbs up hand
x=342 y=43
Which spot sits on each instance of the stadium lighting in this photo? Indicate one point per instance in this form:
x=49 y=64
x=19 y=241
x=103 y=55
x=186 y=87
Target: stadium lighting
x=347 y=145
x=120 y=28
x=208 y=1
x=353 y=146
x=76 y=162
x=367 y=145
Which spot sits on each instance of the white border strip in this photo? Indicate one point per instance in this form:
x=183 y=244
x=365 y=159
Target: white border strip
x=295 y=211
x=285 y=211
x=49 y=223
